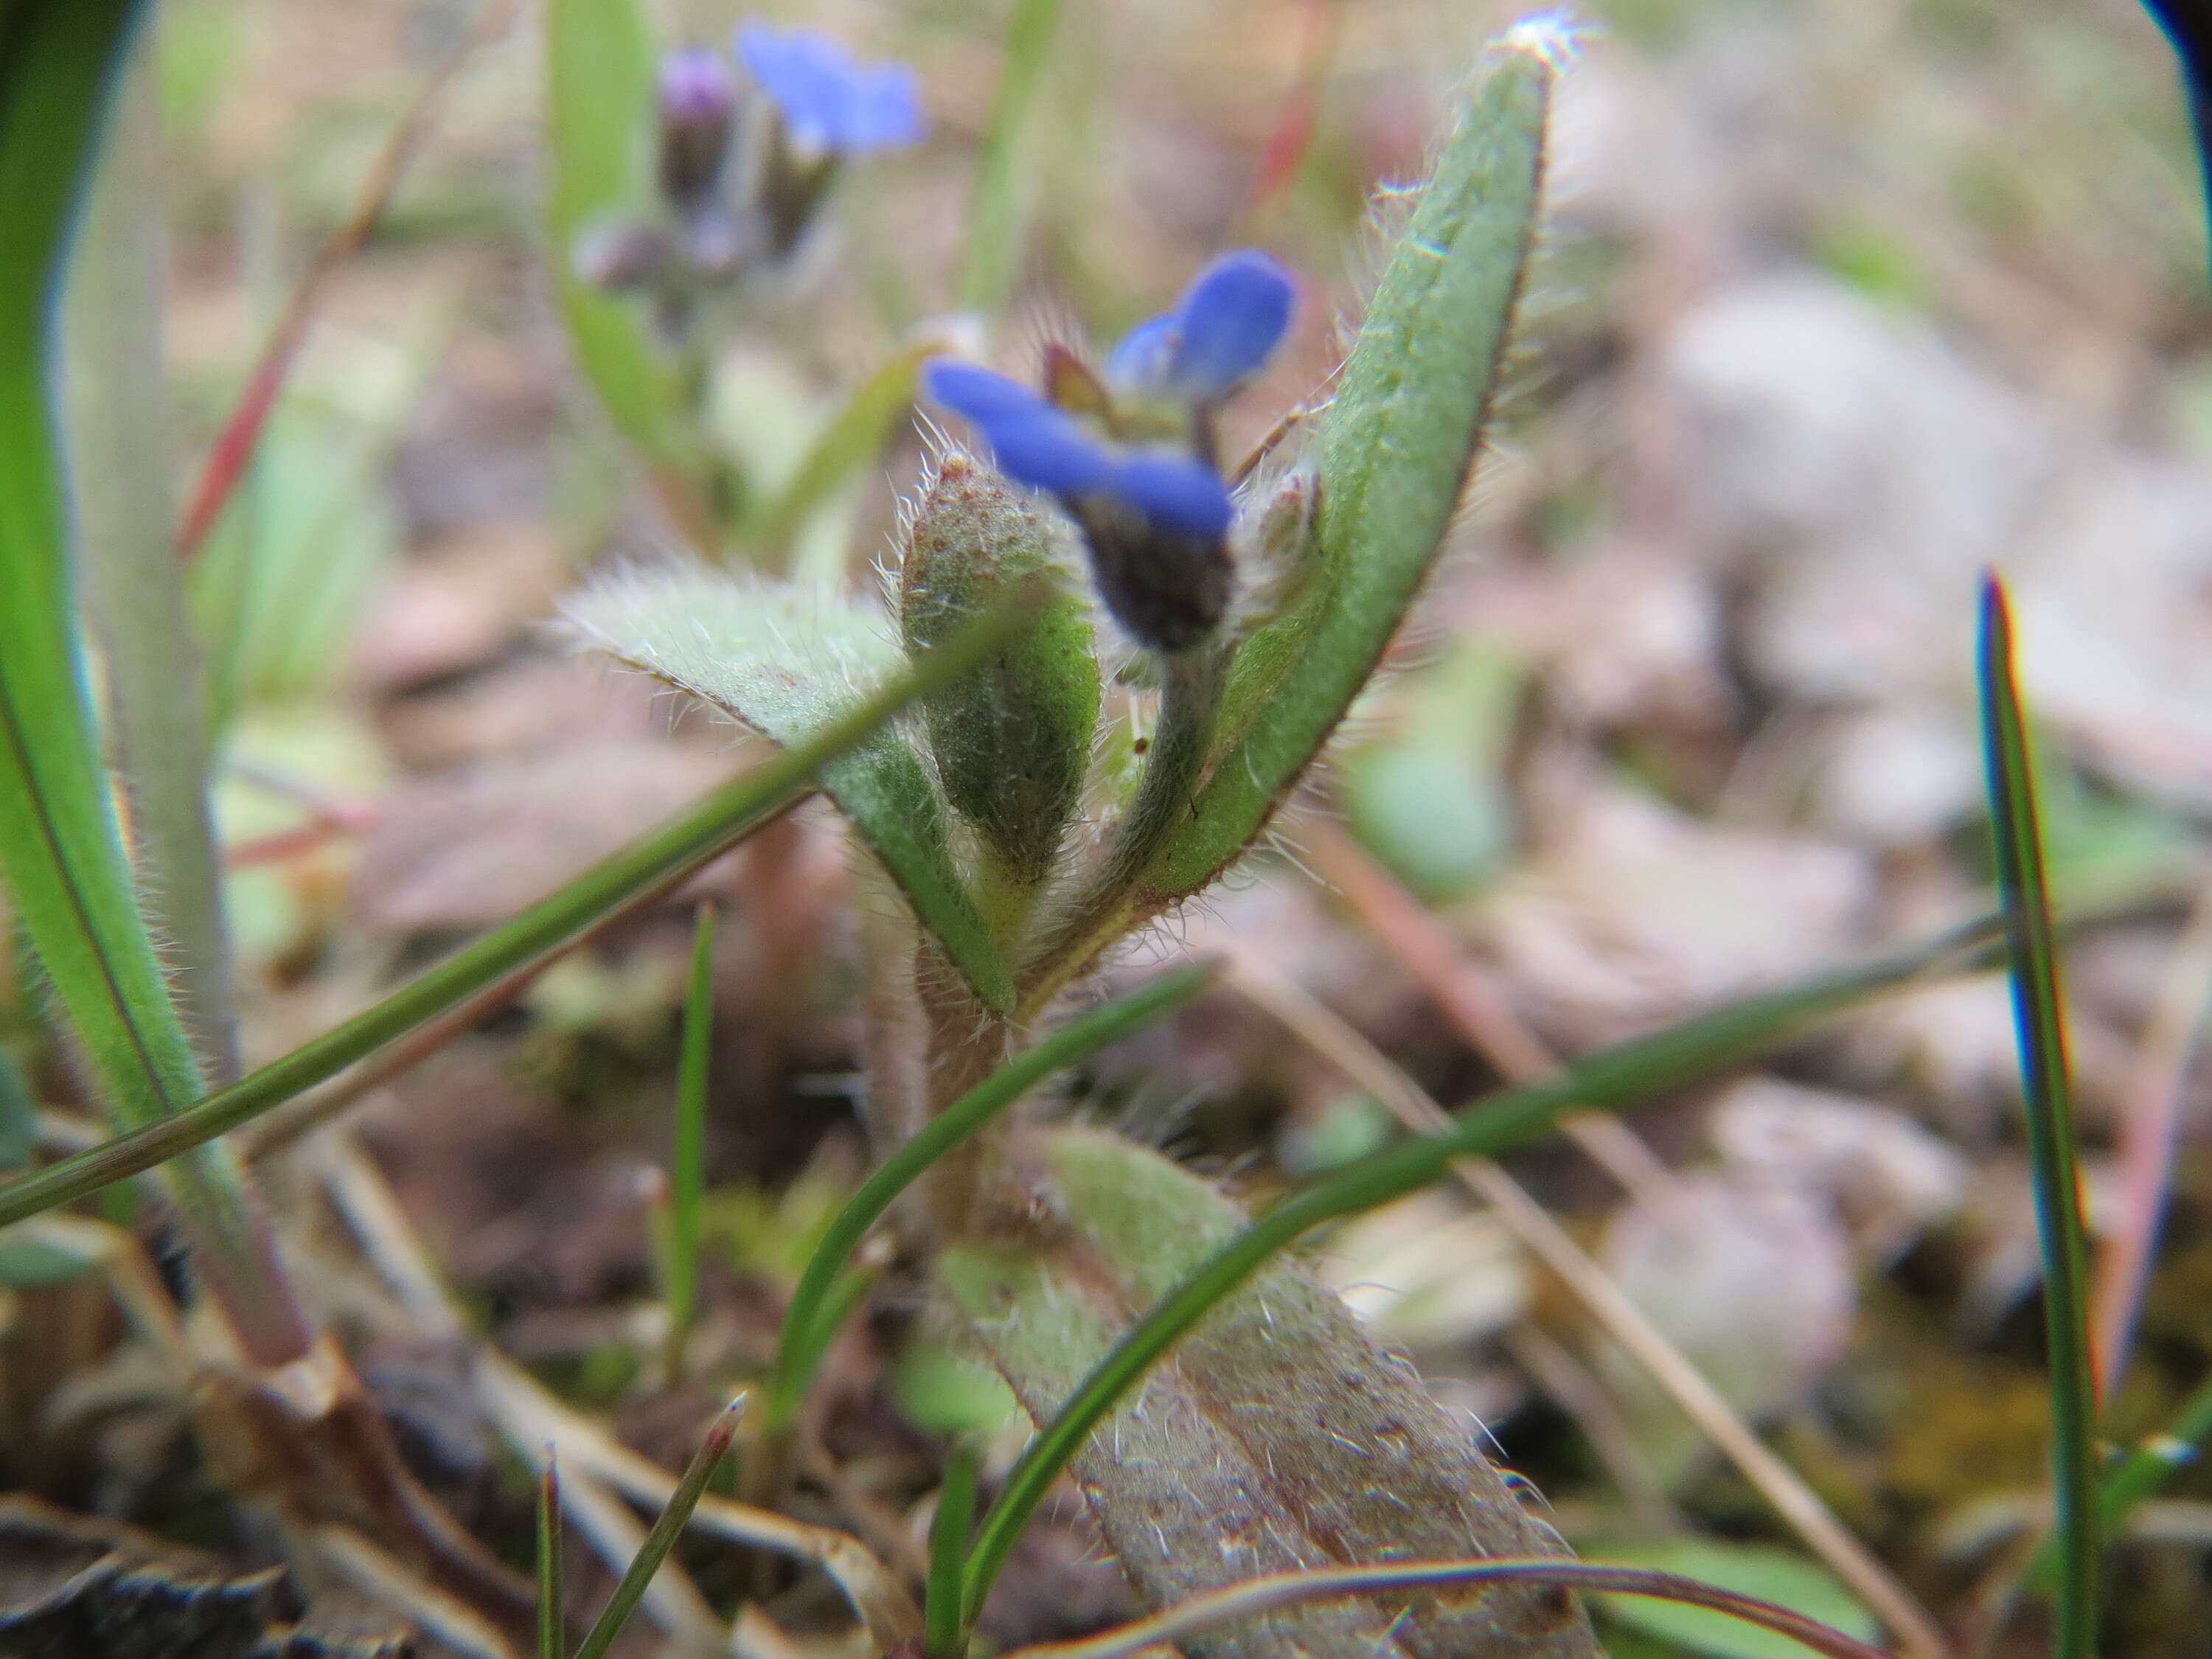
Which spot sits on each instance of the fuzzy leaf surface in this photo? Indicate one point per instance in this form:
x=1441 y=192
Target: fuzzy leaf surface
x=60 y=847
x=1276 y=1436
x=788 y=665
x=1395 y=446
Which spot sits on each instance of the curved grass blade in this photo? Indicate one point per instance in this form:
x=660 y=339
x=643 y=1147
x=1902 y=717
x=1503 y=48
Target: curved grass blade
x=854 y=437
x=661 y=858
x=60 y=847
x=994 y=217
x=786 y=661
x=1619 y=1076
x=816 y=1309
x=2040 y=1017
x=1396 y=446
x=666 y=1530
x=1259 y=1596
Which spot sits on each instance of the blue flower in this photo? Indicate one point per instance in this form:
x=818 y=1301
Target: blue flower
x=1035 y=442
x=1221 y=333
x=1130 y=457
x=829 y=101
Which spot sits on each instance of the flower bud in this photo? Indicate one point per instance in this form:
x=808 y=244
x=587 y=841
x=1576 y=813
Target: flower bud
x=698 y=106
x=1012 y=738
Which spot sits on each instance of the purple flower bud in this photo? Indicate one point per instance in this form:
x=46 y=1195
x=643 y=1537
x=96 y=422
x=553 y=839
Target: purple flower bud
x=698 y=103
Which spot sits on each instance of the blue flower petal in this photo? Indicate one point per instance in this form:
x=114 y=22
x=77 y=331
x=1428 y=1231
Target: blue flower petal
x=824 y=96
x=1031 y=440
x=885 y=110
x=1229 y=321
x=1141 y=360
x=1048 y=450
x=1176 y=492
x=983 y=395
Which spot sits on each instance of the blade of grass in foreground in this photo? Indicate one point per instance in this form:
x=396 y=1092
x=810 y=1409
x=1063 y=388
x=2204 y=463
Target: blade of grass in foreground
x=2037 y=1009
x=949 y=1531
x=723 y=819
x=666 y=1531
x=2051 y=1146
x=816 y=1310
x=551 y=1637
x=1622 y=1075
x=60 y=847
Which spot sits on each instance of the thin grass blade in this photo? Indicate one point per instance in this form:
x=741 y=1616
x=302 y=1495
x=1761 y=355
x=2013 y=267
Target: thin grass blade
x=994 y=217
x=1623 y=1075
x=854 y=438
x=658 y=860
x=552 y=1637
x=814 y=1312
x=687 y=1172
x=1259 y=1596
x=666 y=1530
x=949 y=1528
x=2039 y=1014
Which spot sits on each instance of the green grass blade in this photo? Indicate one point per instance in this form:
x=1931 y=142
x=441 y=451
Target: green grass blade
x=666 y=1530
x=2136 y=1477
x=994 y=218
x=552 y=1637
x=854 y=437
x=115 y=399
x=1616 y=1077
x=944 y=1635
x=815 y=1311
x=688 y=1166
x=60 y=847
x=719 y=822
x=599 y=86
x=2039 y=1013
x=1395 y=446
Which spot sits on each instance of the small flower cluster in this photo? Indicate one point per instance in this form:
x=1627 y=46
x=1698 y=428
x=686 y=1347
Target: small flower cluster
x=749 y=148
x=1131 y=452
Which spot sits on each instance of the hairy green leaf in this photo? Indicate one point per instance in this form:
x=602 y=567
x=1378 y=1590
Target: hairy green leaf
x=788 y=663
x=59 y=843
x=650 y=865
x=1396 y=446
x=1280 y=1438
x=1626 y=1072
x=117 y=400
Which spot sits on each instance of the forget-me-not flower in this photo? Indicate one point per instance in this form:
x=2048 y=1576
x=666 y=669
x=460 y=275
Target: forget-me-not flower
x=749 y=146
x=1131 y=454
x=828 y=102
